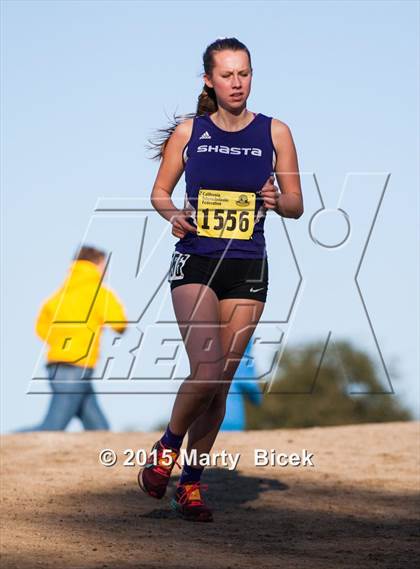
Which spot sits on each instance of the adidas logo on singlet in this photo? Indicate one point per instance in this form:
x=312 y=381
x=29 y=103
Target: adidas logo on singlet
x=205 y=135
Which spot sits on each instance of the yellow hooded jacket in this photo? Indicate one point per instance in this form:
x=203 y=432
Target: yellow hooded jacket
x=71 y=320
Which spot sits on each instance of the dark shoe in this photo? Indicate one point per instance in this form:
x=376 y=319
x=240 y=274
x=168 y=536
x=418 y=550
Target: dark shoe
x=188 y=503
x=153 y=478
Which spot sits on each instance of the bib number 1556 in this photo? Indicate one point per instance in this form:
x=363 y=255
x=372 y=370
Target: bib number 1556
x=227 y=214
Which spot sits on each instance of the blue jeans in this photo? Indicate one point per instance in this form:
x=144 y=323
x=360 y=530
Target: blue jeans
x=73 y=396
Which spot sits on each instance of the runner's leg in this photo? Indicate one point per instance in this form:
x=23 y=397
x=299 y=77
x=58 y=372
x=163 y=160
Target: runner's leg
x=238 y=320
x=197 y=311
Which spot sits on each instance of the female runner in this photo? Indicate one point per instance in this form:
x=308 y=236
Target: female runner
x=219 y=269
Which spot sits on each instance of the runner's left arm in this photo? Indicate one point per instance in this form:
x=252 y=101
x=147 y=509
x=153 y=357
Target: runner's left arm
x=288 y=202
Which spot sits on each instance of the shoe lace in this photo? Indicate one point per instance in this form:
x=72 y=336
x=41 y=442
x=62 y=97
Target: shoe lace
x=191 y=493
x=163 y=464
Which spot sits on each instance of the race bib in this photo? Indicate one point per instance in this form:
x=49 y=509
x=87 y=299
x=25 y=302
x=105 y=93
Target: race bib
x=222 y=213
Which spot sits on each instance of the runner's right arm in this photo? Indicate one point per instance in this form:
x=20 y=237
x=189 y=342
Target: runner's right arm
x=169 y=173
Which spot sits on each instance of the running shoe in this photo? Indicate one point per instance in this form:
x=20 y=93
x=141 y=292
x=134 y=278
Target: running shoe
x=189 y=504
x=154 y=477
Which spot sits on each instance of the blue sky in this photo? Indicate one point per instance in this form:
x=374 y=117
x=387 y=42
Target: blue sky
x=84 y=84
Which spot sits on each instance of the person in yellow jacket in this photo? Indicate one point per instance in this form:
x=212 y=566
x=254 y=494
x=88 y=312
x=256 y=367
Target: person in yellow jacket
x=70 y=322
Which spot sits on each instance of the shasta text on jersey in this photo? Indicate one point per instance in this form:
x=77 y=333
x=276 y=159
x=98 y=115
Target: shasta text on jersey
x=229 y=149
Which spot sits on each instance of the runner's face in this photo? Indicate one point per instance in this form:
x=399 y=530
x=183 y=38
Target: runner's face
x=231 y=78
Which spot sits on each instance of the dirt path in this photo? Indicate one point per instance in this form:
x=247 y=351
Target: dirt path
x=356 y=508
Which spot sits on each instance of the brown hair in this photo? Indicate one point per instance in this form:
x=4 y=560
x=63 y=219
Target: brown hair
x=88 y=253
x=207 y=102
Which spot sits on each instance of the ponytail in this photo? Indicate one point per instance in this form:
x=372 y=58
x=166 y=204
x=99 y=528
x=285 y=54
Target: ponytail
x=207 y=102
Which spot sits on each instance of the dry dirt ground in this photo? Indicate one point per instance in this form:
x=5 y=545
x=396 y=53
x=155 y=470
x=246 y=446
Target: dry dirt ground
x=357 y=508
